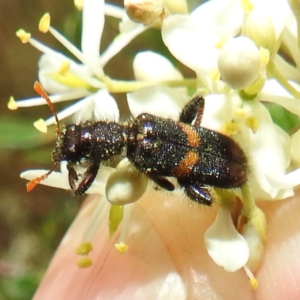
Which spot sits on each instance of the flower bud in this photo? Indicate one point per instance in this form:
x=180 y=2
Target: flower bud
x=144 y=11
x=239 y=62
x=259 y=28
x=125 y=185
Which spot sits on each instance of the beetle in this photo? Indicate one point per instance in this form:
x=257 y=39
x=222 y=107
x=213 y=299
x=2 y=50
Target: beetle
x=199 y=158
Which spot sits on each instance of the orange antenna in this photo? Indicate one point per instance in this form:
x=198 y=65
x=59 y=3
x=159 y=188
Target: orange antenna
x=39 y=89
x=34 y=182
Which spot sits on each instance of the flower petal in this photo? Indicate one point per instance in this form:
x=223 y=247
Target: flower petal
x=105 y=106
x=160 y=101
x=92 y=28
x=224 y=244
x=152 y=66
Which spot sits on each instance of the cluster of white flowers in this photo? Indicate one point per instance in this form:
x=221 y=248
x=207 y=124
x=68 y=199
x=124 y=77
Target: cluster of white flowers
x=232 y=45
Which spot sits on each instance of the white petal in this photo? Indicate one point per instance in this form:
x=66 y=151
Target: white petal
x=151 y=66
x=71 y=95
x=119 y=42
x=106 y=107
x=274 y=92
x=276 y=10
x=224 y=244
x=196 y=51
x=72 y=109
x=60 y=179
x=219 y=110
x=92 y=28
x=55 y=179
x=49 y=65
x=219 y=18
x=157 y=100
x=268 y=145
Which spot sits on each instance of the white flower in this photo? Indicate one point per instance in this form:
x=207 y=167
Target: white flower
x=67 y=79
x=236 y=81
x=196 y=40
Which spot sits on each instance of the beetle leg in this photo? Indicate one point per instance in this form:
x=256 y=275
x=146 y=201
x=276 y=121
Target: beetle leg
x=72 y=176
x=194 y=109
x=162 y=182
x=197 y=192
x=87 y=179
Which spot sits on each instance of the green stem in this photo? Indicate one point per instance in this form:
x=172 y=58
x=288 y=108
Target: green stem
x=282 y=80
x=254 y=215
x=123 y=86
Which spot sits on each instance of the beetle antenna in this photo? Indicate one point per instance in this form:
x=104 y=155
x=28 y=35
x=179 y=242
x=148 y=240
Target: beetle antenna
x=40 y=90
x=34 y=182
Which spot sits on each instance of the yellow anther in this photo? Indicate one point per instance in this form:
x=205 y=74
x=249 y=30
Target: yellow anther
x=84 y=262
x=229 y=129
x=240 y=113
x=12 y=104
x=78 y=4
x=121 y=247
x=44 y=23
x=254 y=283
x=252 y=123
x=84 y=249
x=247 y=5
x=64 y=68
x=220 y=43
x=23 y=35
x=264 y=57
x=40 y=125
x=215 y=74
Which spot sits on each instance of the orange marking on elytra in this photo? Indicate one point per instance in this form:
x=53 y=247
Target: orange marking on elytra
x=187 y=164
x=193 y=137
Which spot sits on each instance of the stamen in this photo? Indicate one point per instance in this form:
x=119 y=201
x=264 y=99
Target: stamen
x=253 y=280
x=75 y=51
x=64 y=68
x=23 y=36
x=240 y=113
x=44 y=23
x=252 y=123
x=215 y=74
x=40 y=125
x=121 y=246
x=95 y=221
x=264 y=57
x=247 y=5
x=84 y=249
x=84 y=262
x=12 y=104
x=229 y=129
x=78 y=4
